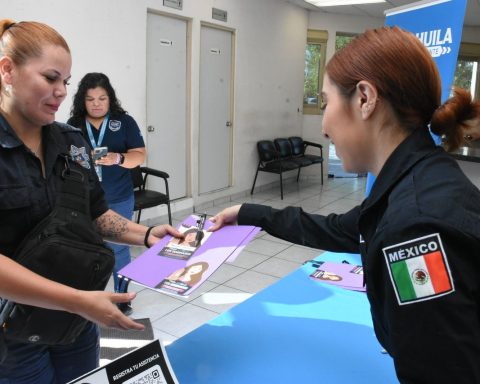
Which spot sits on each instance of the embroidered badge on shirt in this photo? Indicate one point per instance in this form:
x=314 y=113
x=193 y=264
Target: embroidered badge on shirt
x=114 y=125
x=80 y=156
x=419 y=269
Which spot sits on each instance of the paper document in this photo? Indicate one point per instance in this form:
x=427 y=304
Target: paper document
x=147 y=364
x=179 y=267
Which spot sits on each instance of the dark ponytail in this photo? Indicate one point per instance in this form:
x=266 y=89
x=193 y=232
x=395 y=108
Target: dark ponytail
x=452 y=117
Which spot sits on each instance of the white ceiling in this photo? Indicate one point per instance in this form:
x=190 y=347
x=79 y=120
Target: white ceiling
x=472 y=14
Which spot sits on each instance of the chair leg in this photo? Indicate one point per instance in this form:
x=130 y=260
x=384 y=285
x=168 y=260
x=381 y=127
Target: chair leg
x=254 y=181
x=321 y=165
x=298 y=174
x=138 y=216
x=169 y=213
x=281 y=186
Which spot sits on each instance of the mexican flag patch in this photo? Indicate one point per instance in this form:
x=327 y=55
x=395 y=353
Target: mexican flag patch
x=419 y=269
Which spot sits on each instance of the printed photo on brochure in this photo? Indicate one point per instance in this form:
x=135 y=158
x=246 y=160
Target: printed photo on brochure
x=184 y=279
x=344 y=275
x=185 y=248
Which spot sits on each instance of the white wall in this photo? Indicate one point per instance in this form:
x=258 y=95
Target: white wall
x=110 y=36
x=471 y=34
x=111 y=40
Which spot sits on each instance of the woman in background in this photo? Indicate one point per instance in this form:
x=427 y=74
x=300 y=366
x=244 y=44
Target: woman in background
x=98 y=113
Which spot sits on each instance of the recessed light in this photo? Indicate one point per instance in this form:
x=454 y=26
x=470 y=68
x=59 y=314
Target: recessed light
x=332 y=3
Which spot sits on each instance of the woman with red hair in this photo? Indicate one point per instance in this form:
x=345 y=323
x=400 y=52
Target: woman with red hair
x=418 y=231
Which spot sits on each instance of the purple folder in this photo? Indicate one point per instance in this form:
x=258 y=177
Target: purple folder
x=177 y=276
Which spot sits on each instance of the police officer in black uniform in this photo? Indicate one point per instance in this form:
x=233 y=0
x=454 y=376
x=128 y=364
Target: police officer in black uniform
x=35 y=65
x=418 y=231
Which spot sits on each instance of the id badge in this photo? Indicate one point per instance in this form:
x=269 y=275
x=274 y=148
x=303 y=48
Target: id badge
x=98 y=169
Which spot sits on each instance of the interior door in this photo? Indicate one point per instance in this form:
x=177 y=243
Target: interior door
x=167 y=100
x=215 y=136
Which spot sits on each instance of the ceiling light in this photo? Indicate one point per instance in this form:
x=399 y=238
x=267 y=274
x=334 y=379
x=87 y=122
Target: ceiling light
x=332 y=3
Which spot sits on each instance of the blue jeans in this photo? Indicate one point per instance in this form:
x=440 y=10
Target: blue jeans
x=43 y=364
x=122 y=252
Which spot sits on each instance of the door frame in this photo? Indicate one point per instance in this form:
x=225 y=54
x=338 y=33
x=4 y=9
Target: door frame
x=231 y=172
x=188 y=95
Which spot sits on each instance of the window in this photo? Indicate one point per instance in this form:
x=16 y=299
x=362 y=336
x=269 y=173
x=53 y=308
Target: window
x=342 y=39
x=315 y=52
x=467 y=71
x=335 y=168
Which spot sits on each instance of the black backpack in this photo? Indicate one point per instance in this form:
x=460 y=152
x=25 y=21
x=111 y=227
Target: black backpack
x=63 y=247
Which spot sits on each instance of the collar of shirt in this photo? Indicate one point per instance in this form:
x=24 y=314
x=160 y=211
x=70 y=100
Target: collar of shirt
x=414 y=148
x=8 y=138
x=53 y=142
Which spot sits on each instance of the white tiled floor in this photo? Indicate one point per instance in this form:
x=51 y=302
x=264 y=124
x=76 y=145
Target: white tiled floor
x=263 y=262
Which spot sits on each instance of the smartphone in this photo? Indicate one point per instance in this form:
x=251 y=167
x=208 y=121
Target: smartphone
x=99 y=152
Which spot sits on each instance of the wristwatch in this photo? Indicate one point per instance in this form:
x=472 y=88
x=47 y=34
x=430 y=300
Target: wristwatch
x=122 y=159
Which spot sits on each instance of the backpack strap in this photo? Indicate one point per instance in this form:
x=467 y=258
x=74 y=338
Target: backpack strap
x=73 y=187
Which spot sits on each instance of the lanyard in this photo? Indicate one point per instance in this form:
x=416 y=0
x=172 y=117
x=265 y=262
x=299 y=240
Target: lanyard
x=103 y=128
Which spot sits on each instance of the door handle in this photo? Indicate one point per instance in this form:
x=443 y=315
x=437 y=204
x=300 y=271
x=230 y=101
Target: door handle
x=228 y=124
x=150 y=128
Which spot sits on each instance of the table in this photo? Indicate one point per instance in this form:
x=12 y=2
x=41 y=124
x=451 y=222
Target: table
x=296 y=331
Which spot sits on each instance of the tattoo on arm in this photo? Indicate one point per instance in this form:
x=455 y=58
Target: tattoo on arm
x=111 y=225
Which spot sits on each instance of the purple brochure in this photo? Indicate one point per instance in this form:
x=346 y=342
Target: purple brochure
x=348 y=276
x=243 y=244
x=179 y=268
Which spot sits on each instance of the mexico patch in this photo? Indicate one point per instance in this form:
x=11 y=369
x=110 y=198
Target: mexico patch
x=419 y=269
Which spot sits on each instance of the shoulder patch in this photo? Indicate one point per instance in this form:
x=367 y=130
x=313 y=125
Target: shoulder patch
x=80 y=156
x=419 y=269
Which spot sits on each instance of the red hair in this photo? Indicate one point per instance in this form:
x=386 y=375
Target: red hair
x=398 y=65
x=456 y=112
x=26 y=39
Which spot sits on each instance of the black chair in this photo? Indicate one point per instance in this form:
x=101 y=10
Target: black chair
x=284 y=146
x=298 y=150
x=270 y=161
x=146 y=198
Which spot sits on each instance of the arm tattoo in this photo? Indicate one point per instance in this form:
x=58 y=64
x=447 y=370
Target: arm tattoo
x=111 y=225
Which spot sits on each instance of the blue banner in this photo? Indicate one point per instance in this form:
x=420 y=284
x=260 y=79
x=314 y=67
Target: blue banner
x=438 y=25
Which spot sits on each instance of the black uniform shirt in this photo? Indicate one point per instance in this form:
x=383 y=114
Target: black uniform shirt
x=419 y=237
x=26 y=197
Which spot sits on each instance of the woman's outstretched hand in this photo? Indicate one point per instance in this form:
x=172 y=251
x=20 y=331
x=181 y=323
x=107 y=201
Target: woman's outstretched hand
x=227 y=216
x=160 y=231
x=101 y=308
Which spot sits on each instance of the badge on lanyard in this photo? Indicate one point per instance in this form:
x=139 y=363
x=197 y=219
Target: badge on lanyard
x=98 y=168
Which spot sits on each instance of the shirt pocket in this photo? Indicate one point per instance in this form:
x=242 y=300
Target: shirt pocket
x=15 y=221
